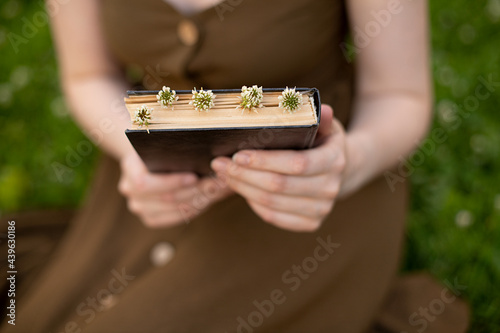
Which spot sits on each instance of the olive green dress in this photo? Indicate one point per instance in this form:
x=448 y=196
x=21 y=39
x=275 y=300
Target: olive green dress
x=227 y=270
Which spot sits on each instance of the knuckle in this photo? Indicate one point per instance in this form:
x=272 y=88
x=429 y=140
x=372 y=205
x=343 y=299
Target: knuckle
x=266 y=199
x=257 y=159
x=268 y=216
x=234 y=169
x=311 y=225
x=278 y=182
x=134 y=206
x=299 y=163
x=149 y=222
x=123 y=187
x=264 y=213
x=331 y=190
x=158 y=221
x=323 y=209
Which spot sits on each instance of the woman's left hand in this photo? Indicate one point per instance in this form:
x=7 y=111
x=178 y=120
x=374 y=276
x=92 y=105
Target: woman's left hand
x=293 y=190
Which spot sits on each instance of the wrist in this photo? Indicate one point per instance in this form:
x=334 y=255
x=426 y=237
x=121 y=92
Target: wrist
x=358 y=170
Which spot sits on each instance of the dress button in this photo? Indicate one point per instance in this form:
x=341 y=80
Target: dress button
x=162 y=253
x=188 y=32
x=108 y=302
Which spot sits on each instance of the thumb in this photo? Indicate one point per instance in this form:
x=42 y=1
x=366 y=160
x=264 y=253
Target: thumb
x=325 y=128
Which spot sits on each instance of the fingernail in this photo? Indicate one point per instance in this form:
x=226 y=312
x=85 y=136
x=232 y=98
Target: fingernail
x=189 y=180
x=242 y=158
x=219 y=164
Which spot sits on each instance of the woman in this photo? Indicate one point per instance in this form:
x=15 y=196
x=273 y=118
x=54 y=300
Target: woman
x=292 y=241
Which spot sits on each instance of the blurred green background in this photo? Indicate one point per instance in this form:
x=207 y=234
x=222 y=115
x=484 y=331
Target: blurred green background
x=454 y=224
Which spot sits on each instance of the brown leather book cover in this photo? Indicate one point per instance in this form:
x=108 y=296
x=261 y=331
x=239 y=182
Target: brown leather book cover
x=192 y=149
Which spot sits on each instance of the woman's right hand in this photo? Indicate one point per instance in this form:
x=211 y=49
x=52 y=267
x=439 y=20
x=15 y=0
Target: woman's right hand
x=163 y=200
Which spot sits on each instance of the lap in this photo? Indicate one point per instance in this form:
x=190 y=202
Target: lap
x=229 y=269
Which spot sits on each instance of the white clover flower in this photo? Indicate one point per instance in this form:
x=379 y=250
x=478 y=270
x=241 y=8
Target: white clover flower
x=464 y=219
x=166 y=97
x=290 y=100
x=143 y=116
x=203 y=100
x=251 y=98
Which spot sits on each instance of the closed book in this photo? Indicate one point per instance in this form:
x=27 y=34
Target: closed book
x=179 y=138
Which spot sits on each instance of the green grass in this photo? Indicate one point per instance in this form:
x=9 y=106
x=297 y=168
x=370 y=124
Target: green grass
x=37 y=130
x=460 y=182
x=454 y=224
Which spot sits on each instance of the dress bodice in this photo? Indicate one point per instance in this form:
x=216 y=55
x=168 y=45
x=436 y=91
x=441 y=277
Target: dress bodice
x=266 y=42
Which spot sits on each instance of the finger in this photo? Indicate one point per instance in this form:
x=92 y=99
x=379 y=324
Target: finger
x=164 y=220
x=325 y=125
x=153 y=184
x=168 y=182
x=303 y=206
x=145 y=206
x=194 y=200
x=284 y=220
x=290 y=162
x=154 y=212
x=137 y=179
x=318 y=186
x=207 y=189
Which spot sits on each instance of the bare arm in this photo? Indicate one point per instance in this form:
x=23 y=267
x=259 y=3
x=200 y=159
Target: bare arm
x=296 y=190
x=94 y=87
x=392 y=108
x=92 y=82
